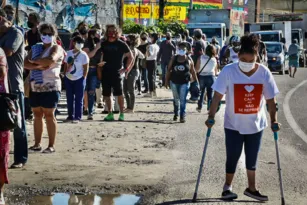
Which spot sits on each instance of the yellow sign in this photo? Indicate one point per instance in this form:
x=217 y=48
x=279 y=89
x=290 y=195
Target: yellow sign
x=136 y=11
x=145 y=12
x=172 y=12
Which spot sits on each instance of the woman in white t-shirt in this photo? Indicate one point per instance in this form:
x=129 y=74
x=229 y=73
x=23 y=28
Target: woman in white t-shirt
x=151 y=63
x=206 y=67
x=248 y=86
x=76 y=69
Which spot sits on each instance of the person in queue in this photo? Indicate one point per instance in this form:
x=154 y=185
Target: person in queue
x=75 y=70
x=12 y=42
x=262 y=53
x=232 y=53
x=4 y=135
x=294 y=56
x=133 y=41
x=113 y=52
x=178 y=78
x=248 y=86
x=151 y=64
x=207 y=68
x=166 y=51
x=11 y=16
x=92 y=48
x=187 y=37
x=44 y=61
x=143 y=71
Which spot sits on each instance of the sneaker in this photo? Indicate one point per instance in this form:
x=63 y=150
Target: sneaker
x=255 y=195
x=139 y=93
x=68 y=120
x=100 y=105
x=85 y=112
x=75 y=121
x=2 y=202
x=198 y=109
x=110 y=117
x=175 y=117
x=229 y=195
x=145 y=91
x=182 y=119
x=121 y=117
x=90 y=117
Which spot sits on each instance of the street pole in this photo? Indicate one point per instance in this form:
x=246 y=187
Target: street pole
x=191 y=4
x=292 y=6
x=161 y=9
x=17 y=15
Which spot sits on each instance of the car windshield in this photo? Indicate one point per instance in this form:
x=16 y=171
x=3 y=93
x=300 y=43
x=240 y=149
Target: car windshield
x=210 y=32
x=273 y=48
x=270 y=37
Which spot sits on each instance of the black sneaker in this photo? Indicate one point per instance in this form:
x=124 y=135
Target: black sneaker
x=85 y=112
x=255 y=195
x=229 y=195
x=182 y=119
x=145 y=91
x=175 y=117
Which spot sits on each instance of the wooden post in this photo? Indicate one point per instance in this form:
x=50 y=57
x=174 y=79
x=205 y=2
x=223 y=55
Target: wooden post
x=257 y=10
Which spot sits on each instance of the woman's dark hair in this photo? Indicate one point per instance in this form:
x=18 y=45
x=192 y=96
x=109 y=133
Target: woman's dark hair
x=183 y=44
x=249 y=44
x=211 y=51
x=35 y=16
x=78 y=39
x=154 y=37
x=75 y=34
x=82 y=23
x=90 y=39
x=49 y=26
x=134 y=40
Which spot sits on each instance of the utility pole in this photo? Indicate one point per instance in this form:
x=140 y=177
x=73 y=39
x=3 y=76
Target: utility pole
x=162 y=4
x=191 y=4
x=17 y=15
x=257 y=10
x=292 y=8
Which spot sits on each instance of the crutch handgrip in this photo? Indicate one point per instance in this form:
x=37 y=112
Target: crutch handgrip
x=210 y=122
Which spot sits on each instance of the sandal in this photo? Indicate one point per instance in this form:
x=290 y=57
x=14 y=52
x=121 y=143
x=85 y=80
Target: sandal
x=36 y=148
x=16 y=165
x=49 y=150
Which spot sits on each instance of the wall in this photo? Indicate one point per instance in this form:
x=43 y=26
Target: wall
x=68 y=13
x=244 y=5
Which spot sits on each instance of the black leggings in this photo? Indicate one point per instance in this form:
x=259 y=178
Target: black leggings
x=151 y=68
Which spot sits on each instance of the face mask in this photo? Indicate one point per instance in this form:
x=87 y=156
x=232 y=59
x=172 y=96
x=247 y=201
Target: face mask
x=181 y=52
x=149 y=40
x=47 y=39
x=168 y=38
x=111 y=34
x=79 y=46
x=246 y=67
x=83 y=31
x=10 y=18
x=30 y=24
x=96 y=40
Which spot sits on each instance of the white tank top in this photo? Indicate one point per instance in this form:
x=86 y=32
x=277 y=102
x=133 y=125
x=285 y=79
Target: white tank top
x=233 y=56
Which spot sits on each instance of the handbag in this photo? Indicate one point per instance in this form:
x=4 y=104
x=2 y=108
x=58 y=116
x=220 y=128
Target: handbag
x=9 y=110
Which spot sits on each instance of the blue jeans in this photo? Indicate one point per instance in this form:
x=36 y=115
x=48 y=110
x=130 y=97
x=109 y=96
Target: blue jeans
x=20 y=135
x=194 y=91
x=164 y=67
x=145 y=78
x=234 y=145
x=75 y=95
x=91 y=85
x=180 y=92
x=205 y=84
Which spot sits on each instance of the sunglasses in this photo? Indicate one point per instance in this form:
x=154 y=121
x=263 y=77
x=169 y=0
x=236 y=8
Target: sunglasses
x=47 y=34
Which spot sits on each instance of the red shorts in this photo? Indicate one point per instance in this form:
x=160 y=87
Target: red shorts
x=4 y=155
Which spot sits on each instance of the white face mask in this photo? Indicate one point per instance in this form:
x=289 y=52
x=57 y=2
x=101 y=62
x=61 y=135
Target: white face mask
x=181 y=52
x=246 y=67
x=47 y=39
x=79 y=46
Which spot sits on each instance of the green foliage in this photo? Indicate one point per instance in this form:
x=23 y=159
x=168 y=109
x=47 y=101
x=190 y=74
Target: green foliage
x=161 y=27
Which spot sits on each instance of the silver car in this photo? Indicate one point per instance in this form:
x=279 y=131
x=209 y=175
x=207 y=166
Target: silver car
x=278 y=60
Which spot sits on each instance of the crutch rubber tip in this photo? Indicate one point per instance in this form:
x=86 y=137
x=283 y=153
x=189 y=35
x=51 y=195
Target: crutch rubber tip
x=283 y=201
x=194 y=198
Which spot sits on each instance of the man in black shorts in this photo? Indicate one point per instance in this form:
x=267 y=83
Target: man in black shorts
x=113 y=53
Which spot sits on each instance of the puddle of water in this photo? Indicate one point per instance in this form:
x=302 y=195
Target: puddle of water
x=68 y=199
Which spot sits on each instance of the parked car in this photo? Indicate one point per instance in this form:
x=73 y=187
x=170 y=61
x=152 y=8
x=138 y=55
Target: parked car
x=278 y=60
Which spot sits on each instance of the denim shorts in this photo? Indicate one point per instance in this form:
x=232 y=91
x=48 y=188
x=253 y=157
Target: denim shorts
x=44 y=99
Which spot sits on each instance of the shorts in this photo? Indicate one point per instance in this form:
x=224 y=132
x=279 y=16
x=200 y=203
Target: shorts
x=44 y=99
x=114 y=84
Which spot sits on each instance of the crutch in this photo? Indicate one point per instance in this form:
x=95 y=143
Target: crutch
x=278 y=165
x=211 y=122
